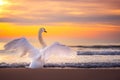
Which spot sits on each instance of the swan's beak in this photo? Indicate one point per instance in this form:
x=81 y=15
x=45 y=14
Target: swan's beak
x=45 y=31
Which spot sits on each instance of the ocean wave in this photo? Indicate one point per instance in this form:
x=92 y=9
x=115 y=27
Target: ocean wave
x=86 y=65
x=99 y=52
x=100 y=46
x=65 y=65
x=13 y=65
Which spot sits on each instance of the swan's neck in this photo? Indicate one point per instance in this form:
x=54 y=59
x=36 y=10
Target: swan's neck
x=41 y=40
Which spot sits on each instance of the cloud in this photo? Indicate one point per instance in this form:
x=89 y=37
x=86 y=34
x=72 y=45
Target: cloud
x=60 y=11
x=112 y=3
x=104 y=19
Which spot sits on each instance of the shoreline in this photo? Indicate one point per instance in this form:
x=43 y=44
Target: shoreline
x=59 y=74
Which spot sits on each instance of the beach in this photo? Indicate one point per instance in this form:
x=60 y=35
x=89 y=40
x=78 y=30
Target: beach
x=60 y=74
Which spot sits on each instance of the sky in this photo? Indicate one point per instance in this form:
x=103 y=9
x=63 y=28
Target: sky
x=72 y=22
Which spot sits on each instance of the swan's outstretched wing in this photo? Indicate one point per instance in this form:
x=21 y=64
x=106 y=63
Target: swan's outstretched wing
x=13 y=44
x=20 y=45
x=57 y=49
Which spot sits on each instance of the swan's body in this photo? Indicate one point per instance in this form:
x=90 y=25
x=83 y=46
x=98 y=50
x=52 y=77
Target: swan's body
x=38 y=56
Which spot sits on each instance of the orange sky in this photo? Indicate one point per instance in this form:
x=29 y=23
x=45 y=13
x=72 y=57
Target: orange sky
x=73 y=21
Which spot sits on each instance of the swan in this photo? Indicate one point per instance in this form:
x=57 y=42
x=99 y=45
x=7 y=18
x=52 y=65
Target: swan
x=38 y=56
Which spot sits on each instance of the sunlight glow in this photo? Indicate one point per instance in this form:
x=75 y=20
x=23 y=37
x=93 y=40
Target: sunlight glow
x=2 y=2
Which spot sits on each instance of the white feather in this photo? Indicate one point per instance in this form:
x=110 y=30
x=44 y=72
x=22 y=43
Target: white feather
x=38 y=56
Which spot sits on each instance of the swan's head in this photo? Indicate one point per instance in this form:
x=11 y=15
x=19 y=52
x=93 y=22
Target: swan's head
x=43 y=30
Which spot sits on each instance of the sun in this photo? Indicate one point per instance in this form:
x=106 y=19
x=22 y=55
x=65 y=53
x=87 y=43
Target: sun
x=2 y=2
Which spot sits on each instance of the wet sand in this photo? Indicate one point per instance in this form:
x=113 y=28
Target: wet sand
x=59 y=74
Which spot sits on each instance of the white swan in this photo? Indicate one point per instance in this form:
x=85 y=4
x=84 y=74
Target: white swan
x=38 y=56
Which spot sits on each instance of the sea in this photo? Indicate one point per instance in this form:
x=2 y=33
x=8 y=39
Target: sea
x=93 y=56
